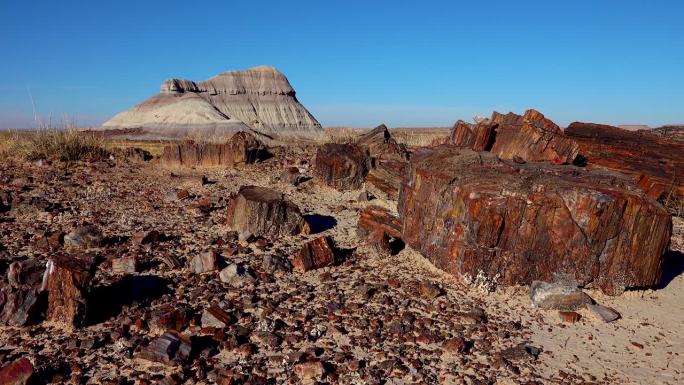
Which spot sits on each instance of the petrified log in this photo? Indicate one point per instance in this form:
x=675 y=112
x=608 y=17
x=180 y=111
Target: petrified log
x=388 y=162
x=314 y=255
x=243 y=147
x=531 y=137
x=379 y=142
x=479 y=137
x=342 y=166
x=67 y=281
x=475 y=216
x=656 y=162
x=264 y=211
x=373 y=218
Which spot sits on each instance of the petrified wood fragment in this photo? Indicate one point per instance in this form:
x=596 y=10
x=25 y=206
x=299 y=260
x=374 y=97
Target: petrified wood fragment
x=342 y=166
x=314 y=255
x=17 y=372
x=264 y=211
x=243 y=147
x=656 y=162
x=388 y=162
x=472 y=214
x=67 y=281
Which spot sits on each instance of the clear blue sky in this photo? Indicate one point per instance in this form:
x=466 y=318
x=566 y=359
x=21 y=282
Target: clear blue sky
x=358 y=63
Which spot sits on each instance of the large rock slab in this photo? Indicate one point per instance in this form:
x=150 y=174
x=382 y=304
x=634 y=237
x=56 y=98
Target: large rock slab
x=67 y=281
x=478 y=217
x=655 y=161
x=242 y=147
x=264 y=211
x=342 y=166
x=259 y=98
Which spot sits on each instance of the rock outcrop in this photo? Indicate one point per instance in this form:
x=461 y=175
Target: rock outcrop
x=259 y=98
x=264 y=211
x=481 y=218
x=655 y=162
x=242 y=147
x=342 y=166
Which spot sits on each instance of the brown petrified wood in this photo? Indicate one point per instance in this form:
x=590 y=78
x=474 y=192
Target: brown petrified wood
x=243 y=147
x=67 y=281
x=474 y=215
x=531 y=137
x=314 y=255
x=478 y=137
x=342 y=166
x=380 y=228
x=655 y=162
x=264 y=211
x=389 y=162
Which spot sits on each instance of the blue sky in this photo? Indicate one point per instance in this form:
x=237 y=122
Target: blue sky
x=353 y=63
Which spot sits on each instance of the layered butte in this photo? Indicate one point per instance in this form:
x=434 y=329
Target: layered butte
x=259 y=98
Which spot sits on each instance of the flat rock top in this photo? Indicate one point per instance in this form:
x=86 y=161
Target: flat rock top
x=260 y=194
x=487 y=171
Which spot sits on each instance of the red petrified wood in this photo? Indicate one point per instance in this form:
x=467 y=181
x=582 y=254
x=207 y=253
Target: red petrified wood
x=655 y=162
x=67 y=281
x=243 y=147
x=472 y=214
x=314 y=255
x=342 y=166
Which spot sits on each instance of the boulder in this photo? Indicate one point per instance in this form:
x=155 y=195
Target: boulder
x=17 y=372
x=67 y=280
x=243 y=147
x=264 y=212
x=655 y=162
x=342 y=166
x=474 y=215
x=379 y=142
x=314 y=255
x=381 y=229
x=236 y=275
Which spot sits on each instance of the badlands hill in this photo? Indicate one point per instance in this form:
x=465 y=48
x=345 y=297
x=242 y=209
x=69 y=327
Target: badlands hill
x=258 y=98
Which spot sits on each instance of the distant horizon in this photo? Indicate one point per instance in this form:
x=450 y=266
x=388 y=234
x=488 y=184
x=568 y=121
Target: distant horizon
x=355 y=64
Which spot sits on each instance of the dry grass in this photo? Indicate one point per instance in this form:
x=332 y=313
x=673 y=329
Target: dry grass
x=52 y=144
x=154 y=147
x=419 y=137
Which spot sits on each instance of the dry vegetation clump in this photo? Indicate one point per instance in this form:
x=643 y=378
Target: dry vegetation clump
x=53 y=144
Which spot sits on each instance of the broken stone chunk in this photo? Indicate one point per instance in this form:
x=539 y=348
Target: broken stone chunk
x=67 y=281
x=124 y=265
x=603 y=313
x=342 y=166
x=205 y=262
x=569 y=316
x=264 y=212
x=168 y=317
x=170 y=348
x=236 y=275
x=563 y=296
x=146 y=237
x=21 y=306
x=18 y=372
x=314 y=255
x=310 y=371
x=84 y=237
x=216 y=316
x=25 y=273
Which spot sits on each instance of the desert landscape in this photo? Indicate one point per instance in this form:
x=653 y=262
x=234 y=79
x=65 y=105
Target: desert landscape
x=216 y=233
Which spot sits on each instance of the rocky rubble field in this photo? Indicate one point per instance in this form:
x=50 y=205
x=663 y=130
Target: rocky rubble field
x=127 y=271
